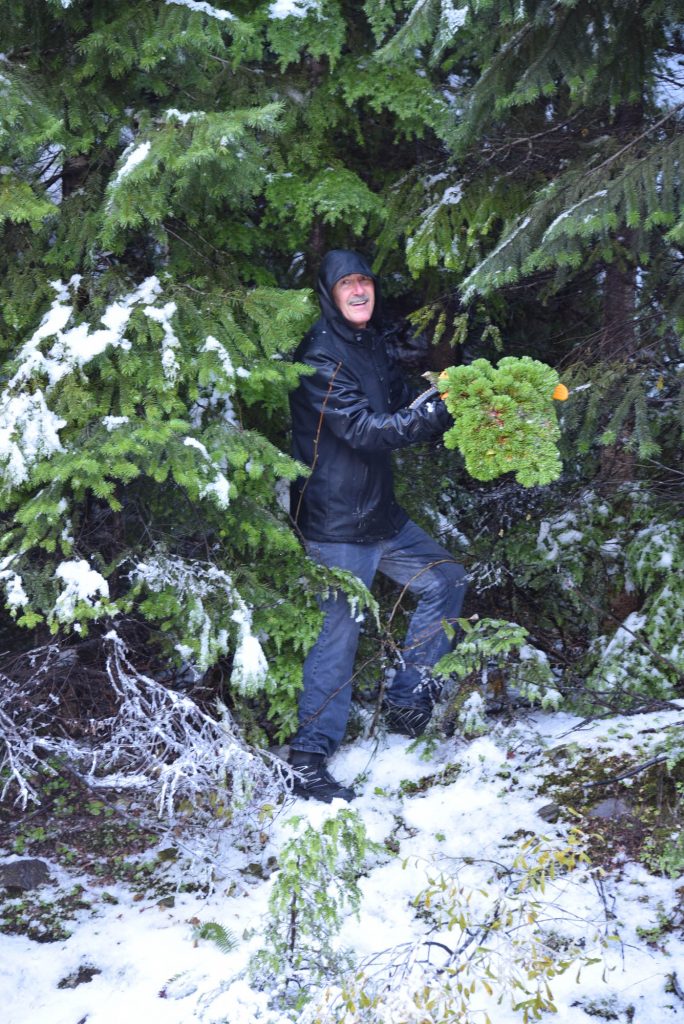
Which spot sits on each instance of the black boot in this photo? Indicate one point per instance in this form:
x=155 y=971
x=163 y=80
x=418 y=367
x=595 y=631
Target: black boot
x=406 y=719
x=313 y=781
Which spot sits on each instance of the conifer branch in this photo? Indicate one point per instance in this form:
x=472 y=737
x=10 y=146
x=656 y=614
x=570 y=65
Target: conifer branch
x=634 y=142
x=525 y=140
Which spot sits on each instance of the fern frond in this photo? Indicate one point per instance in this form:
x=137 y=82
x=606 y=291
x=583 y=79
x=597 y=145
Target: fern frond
x=214 y=932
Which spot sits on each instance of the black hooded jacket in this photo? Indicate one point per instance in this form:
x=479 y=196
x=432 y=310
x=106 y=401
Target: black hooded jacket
x=347 y=419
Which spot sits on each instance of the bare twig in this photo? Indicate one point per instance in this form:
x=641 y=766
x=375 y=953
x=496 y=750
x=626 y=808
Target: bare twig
x=660 y=759
x=676 y=987
x=316 y=440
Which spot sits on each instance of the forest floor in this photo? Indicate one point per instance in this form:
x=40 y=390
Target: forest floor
x=476 y=863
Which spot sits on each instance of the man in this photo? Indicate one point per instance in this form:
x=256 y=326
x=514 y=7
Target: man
x=348 y=417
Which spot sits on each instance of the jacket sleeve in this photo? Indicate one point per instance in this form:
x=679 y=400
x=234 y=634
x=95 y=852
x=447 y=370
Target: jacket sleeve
x=400 y=392
x=335 y=392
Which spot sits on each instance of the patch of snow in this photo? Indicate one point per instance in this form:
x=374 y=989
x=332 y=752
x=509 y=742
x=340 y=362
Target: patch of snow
x=546 y=543
x=218 y=489
x=452 y=195
x=454 y=16
x=446 y=527
x=213 y=345
x=112 y=422
x=625 y=635
x=249 y=663
x=192 y=442
x=81 y=583
x=292 y=8
x=529 y=653
x=29 y=432
x=153 y=967
x=204 y=8
x=184 y=118
x=463 y=823
x=569 y=537
x=169 y=341
x=78 y=345
x=14 y=587
x=133 y=157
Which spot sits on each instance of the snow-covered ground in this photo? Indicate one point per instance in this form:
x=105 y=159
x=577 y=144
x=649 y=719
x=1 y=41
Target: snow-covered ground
x=481 y=805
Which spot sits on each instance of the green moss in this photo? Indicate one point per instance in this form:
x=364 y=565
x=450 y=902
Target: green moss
x=650 y=829
x=41 y=919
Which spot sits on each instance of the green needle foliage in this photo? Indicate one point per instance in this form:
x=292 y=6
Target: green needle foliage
x=316 y=887
x=504 y=419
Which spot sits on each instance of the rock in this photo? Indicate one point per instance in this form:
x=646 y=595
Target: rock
x=259 y=870
x=549 y=812
x=613 y=807
x=84 y=974
x=26 y=874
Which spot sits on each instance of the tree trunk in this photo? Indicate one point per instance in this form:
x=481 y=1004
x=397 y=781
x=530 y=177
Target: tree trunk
x=619 y=337
x=618 y=329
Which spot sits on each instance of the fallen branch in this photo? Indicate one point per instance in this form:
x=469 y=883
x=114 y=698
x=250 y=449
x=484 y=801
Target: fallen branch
x=660 y=759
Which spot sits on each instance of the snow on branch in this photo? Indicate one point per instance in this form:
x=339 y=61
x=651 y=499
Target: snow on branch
x=29 y=429
x=210 y=600
x=161 y=740
x=292 y=8
x=204 y=8
x=25 y=706
x=567 y=215
x=78 y=345
x=133 y=155
x=137 y=736
x=81 y=583
x=170 y=341
x=29 y=432
x=18 y=759
x=469 y=286
x=15 y=595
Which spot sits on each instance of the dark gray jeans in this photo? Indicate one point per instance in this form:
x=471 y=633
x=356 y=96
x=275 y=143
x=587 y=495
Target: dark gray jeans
x=418 y=563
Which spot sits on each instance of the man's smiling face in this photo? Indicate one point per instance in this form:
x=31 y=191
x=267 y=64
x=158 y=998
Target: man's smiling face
x=354 y=296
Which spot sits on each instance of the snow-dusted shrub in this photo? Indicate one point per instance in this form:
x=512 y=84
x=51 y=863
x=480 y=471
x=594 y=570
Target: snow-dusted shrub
x=208 y=604
x=596 y=582
x=142 y=739
x=494 y=660
x=638 y=655
x=162 y=741
x=485 y=946
x=471 y=714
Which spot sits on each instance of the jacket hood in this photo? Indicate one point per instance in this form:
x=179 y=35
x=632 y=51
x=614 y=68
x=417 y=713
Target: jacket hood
x=336 y=264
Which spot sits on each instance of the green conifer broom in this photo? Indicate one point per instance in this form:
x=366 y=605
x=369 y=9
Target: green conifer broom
x=504 y=418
